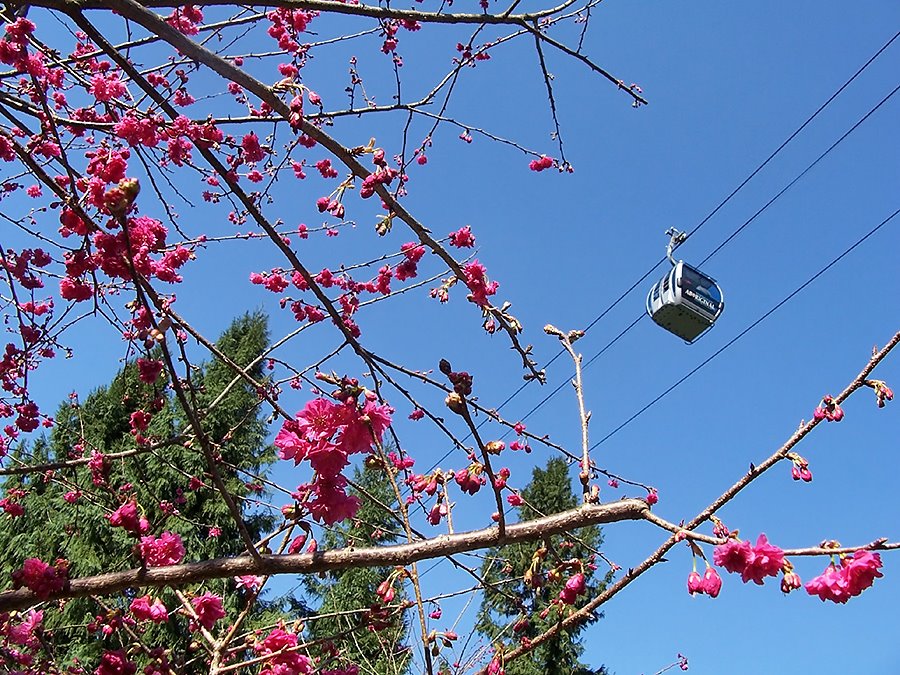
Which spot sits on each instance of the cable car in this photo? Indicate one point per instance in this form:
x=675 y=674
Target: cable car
x=685 y=301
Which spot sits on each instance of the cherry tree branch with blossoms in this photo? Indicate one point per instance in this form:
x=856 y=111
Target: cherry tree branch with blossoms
x=94 y=114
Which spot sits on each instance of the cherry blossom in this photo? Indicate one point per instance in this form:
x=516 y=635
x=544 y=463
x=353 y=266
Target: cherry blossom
x=208 y=608
x=166 y=549
x=753 y=563
x=855 y=574
x=146 y=608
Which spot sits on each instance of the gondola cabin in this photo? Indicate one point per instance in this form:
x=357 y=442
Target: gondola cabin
x=685 y=302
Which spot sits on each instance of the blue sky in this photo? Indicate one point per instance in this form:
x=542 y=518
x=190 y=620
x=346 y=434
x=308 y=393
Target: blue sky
x=727 y=84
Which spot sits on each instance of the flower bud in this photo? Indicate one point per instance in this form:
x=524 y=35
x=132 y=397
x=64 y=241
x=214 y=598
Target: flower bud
x=456 y=403
x=694 y=583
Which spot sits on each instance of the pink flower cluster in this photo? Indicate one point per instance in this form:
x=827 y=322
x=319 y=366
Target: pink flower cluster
x=753 y=563
x=471 y=478
x=208 y=608
x=710 y=583
x=144 y=610
x=42 y=579
x=286 y=26
x=326 y=433
x=573 y=588
x=166 y=549
x=479 y=286
x=462 y=238
x=149 y=370
x=882 y=392
x=128 y=518
x=185 y=19
x=25 y=632
x=829 y=410
x=800 y=471
x=115 y=663
x=855 y=575
x=285 y=659
x=541 y=163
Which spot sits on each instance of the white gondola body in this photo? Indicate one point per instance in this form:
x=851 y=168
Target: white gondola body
x=685 y=302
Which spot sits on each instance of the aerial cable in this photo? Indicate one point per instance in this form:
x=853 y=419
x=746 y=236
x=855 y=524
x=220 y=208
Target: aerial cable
x=746 y=180
x=793 y=135
x=728 y=198
x=771 y=201
x=747 y=329
x=712 y=213
x=801 y=174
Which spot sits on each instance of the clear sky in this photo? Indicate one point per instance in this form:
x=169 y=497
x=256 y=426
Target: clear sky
x=727 y=83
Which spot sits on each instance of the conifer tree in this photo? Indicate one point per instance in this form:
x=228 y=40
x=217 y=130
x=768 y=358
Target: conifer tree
x=528 y=602
x=65 y=511
x=378 y=636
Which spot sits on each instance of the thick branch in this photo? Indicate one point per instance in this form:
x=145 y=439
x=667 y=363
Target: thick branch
x=379 y=556
x=329 y=6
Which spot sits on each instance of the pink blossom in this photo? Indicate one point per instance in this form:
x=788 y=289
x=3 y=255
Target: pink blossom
x=249 y=582
x=733 y=555
x=711 y=583
x=540 y=164
x=694 y=583
x=144 y=610
x=830 y=585
x=319 y=419
x=462 y=238
x=515 y=499
x=753 y=563
x=331 y=504
x=363 y=427
x=861 y=570
x=253 y=152
x=479 y=286
x=128 y=518
x=149 y=370
x=185 y=19
x=40 y=578
x=11 y=507
x=882 y=393
x=574 y=587
x=829 y=410
x=297 y=544
x=75 y=289
x=107 y=87
x=284 y=660
x=766 y=561
x=326 y=433
x=208 y=608
x=470 y=479
x=790 y=582
x=24 y=633
x=115 y=663
x=166 y=549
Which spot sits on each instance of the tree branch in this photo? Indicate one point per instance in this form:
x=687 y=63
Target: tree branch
x=338 y=559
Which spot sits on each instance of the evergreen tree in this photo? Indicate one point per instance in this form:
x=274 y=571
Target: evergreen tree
x=65 y=510
x=549 y=491
x=378 y=638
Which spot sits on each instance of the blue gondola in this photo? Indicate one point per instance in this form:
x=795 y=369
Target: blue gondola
x=685 y=301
